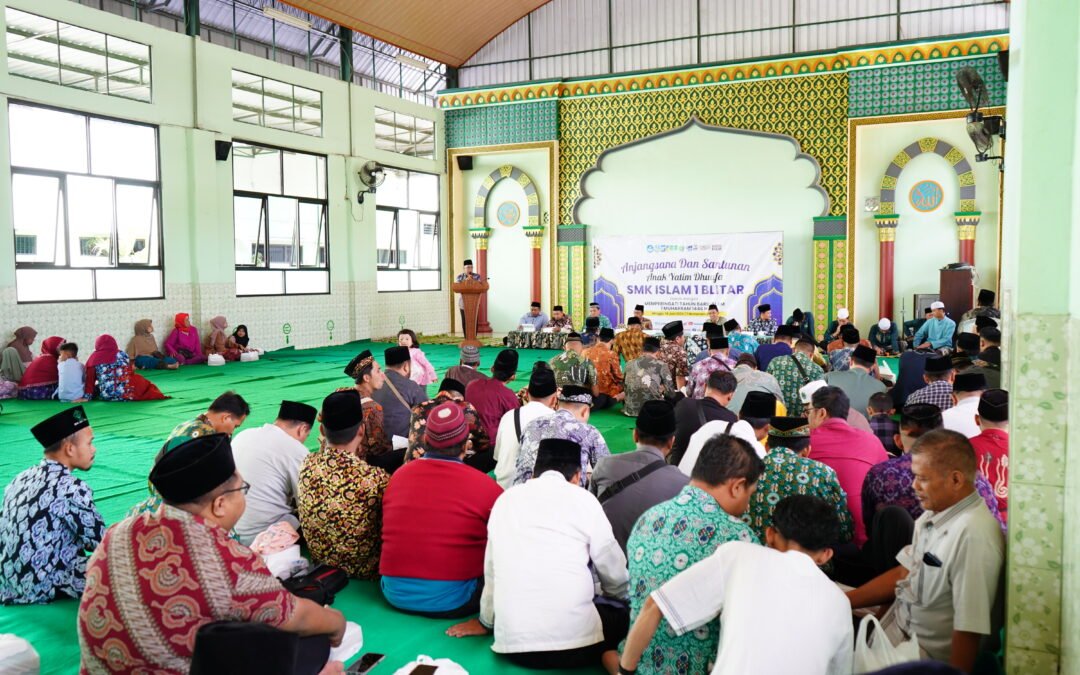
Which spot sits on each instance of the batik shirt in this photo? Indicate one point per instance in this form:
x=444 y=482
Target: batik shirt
x=938 y=392
x=375 y=442
x=668 y=538
x=340 y=507
x=573 y=368
x=674 y=357
x=741 y=343
x=628 y=344
x=200 y=426
x=647 y=379
x=785 y=371
x=787 y=473
x=766 y=326
x=840 y=359
x=481 y=443
x=48 y=524
x=465 y=277
x=609 y=377
x=156 y=579
x=562 y=424
x=559 y=324
x=889 y=484
x=604 y=321
x=114 y=379
x=699 y=375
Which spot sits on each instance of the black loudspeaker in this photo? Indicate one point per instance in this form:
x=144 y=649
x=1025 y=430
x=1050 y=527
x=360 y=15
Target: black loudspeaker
x=1003 y=63
x=464 y=162
x=222 y=150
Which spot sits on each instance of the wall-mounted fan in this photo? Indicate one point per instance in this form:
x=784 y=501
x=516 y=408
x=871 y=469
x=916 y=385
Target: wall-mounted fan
x=371 y=177
x=981 y=128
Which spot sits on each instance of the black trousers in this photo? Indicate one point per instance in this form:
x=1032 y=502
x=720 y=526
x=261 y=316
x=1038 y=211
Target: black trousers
x=246 y=648
x=615 y=619
x=602 y=401
x=891 y=529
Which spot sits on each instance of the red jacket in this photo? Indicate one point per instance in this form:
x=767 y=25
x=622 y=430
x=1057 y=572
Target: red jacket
x=435 y=514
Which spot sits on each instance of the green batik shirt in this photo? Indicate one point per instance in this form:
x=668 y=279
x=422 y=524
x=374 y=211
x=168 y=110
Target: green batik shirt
x=786 y=474
x=646 y=379
x=785 y=371
x=185 y=431
x=667 y=539
x=572 y=368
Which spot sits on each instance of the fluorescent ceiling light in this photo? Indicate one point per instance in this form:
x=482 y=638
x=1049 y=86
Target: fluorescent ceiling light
x=410 y=61
x=278 y=15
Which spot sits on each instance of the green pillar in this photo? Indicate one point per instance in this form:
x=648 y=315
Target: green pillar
x=1041 y=312
x=345 y=42
x=192 y=25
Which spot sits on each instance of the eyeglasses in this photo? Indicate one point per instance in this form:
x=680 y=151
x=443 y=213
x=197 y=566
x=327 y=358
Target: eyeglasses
x=243 y=488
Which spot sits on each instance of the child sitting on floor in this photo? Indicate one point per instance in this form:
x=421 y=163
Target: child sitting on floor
x=71 y=375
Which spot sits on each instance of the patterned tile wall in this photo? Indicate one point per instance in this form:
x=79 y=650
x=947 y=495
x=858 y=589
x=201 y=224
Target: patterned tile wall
x=1070 y=597
x=502 y=124
x=1039 y=432
x=918 y=87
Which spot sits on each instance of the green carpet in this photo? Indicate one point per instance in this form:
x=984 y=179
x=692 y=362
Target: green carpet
x=128 y=435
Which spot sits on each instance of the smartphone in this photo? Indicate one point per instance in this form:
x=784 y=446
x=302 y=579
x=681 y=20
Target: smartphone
x=424 y=670
x=365 y=663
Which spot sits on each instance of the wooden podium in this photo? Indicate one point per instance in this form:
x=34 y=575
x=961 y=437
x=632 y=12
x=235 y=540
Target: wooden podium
x=471 y=293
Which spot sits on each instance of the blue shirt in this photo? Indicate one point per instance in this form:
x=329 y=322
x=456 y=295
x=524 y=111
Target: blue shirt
x=768 y=352
x=538 y=321
x=71 y=374
x=938 y=332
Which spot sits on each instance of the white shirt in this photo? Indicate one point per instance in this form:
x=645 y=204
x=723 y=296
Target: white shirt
x=269 y=459
x=961 y=417
x=507 y=443
x=538 y=590
x=740 y=429
x=778 y=612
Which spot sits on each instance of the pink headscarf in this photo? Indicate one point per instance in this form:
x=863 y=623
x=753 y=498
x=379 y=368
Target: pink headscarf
x=24 y=337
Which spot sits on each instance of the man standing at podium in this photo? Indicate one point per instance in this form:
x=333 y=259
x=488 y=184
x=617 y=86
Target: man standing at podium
x=467 y=275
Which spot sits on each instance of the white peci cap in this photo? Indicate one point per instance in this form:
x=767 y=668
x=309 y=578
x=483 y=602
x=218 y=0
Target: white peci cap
x=806 y=392
x=884 y=324
x=937 y=304
x=842 y=313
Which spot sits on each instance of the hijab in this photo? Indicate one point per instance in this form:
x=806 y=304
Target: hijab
x=179 y=321
x=143 y=343
x=242 y=341
x=43 y=370
x=218 y=325
x=106 y=352
x=24 y=337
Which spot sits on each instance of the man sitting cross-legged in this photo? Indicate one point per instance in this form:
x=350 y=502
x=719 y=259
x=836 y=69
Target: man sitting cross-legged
x=49 y=523
x=270 y=458
x=158 y=577
x=543 y=538
x=570 y=422
x=684 y=530
x=434 y=529
x=759 y=593
x=945 y=586
x=480 y=455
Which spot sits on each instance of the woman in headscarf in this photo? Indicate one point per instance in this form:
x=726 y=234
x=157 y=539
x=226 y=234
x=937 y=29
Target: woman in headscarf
x=183 y=343
x=41 y=378
x=111 y=377
x=240 y=339
x=422 y=371
x=217 y=343
x=143 y=349
x=20 y=347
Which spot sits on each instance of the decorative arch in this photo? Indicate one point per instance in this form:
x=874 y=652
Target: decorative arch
x=518 y=176
x=965 y=176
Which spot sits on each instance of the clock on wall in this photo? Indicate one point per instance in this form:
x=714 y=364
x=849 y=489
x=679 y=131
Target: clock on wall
x=508 y=214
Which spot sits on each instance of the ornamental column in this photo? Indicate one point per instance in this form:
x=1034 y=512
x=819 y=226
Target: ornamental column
x=535 y=233
x=966 y=222
x=886 y=227
x=480 y=237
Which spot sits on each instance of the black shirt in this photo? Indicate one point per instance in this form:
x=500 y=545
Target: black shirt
x=688 y=415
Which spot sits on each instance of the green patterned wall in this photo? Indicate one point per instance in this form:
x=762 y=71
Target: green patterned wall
x=918 y=87
x=502 y=124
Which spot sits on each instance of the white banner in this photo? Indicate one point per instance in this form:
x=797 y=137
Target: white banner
x=677 y=278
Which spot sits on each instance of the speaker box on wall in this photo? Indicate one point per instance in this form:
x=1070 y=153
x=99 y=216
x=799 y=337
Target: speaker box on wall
x=464 y=162
x=1003 y=63
x=222 y=150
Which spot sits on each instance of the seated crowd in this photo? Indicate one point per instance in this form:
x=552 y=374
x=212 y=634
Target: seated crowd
x=779 y=483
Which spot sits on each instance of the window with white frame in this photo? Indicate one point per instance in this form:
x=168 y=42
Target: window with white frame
x=278 y=105
x=46 y=49
x=86 y=206
x=407 y=238
x=404 y=134
x=280 y=221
